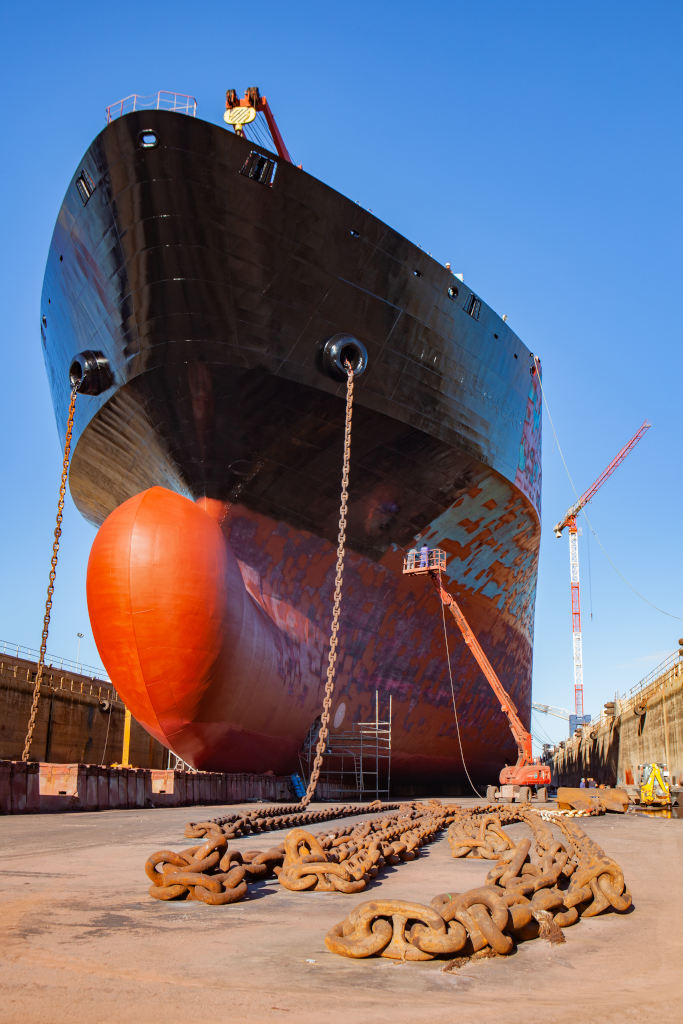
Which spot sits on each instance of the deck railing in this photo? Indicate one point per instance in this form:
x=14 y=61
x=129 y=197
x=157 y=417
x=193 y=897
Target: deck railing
x=180 y=102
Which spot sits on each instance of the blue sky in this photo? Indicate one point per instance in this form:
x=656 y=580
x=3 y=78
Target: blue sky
x=535 y=146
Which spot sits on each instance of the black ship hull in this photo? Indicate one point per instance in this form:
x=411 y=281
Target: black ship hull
x=207 y=296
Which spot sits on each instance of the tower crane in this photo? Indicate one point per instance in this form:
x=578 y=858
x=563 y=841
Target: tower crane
x=569 y=521
x=528 y=772
x=549 y=709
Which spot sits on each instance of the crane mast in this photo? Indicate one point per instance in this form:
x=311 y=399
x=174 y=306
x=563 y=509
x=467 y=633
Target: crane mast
x=577 y=642
x=569 y=521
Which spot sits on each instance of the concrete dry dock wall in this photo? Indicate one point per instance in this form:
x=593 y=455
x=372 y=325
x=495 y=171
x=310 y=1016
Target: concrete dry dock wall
x=647 y=726
x=31 y=787
x=80 y=718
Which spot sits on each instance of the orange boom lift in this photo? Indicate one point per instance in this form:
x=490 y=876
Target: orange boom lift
x=527 y=771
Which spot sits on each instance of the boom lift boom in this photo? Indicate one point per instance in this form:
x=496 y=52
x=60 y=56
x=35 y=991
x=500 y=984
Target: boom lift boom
x=527 y=771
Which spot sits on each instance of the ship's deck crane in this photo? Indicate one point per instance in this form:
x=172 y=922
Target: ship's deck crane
x=527 y=771
x=241 y=112
x=569 y=521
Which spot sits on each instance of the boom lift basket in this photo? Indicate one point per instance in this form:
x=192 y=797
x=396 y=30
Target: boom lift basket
x=417 y=561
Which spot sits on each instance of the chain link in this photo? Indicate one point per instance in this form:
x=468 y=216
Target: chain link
x=537 y=887
x=53 y=573
x=349 y=856
x=336 y=609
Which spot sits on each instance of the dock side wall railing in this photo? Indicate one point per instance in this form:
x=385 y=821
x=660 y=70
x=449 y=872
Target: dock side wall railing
x=658 y=681
x=666 y=672
x=60 y=673
x=53 y=661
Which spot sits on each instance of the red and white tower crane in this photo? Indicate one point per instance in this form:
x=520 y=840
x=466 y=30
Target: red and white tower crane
x=569 y=520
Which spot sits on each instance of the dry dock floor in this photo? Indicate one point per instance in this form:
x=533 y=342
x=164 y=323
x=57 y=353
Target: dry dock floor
x=82 y=941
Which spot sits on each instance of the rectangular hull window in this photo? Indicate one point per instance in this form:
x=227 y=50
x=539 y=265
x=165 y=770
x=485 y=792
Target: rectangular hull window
x=260 y=168
x=85 y=186
x=473 y=306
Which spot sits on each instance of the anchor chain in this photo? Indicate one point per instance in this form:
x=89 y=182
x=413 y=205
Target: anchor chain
x=263 y=819
x=53 y=573
x=334 y=860
x=537 y=887
x=336 y=609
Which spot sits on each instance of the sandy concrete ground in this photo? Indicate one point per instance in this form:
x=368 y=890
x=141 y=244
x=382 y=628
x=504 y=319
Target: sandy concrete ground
x=82 y=941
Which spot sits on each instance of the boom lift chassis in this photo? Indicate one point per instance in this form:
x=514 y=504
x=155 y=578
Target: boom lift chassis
x=528 y=773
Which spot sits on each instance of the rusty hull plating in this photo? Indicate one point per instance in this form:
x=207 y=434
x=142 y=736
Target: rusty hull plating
x=212 y=454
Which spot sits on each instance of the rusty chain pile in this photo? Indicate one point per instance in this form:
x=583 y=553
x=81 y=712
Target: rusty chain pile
x=214 y=874
x=346 y=862
x=537 y=887
x=210 y=872
x=264 y=819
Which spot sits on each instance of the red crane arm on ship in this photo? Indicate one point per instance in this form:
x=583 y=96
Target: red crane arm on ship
x=253 y=98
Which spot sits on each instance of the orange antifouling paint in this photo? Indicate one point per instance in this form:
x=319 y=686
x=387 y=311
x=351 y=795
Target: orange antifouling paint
x=157 y=601
x=196 y=660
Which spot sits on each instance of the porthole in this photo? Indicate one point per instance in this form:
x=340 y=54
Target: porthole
x=417 y=273
x=148 y=139
x=354 y=234
x=452 y=292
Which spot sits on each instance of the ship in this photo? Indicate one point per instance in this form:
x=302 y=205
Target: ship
x=204 y=294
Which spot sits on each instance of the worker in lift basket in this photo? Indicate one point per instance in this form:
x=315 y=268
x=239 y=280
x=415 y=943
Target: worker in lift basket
x=412 y=558
x=424 y=556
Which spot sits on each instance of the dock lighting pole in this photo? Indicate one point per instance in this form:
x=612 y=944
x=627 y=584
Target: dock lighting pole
x=78 y=650
x=569 y=521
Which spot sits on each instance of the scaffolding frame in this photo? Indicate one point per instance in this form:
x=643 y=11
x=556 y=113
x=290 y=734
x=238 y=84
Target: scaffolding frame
x=356 y=763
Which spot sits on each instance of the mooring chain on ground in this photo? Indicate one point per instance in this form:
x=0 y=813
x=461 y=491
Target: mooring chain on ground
x=336 y=608
x=52 y=575
x=351 y=860
x=342 y=859
x=264 y=819
x=537 y=887
x=186 y=873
